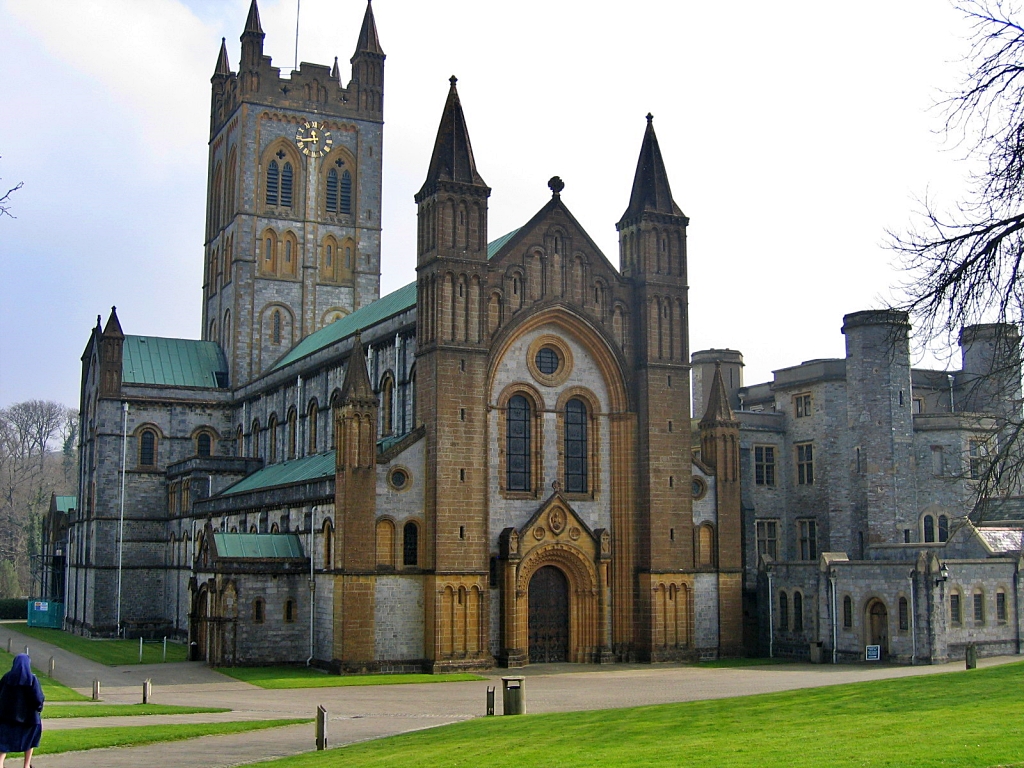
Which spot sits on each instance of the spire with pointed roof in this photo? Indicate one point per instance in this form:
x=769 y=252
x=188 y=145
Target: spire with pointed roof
x=368 y=42
x=718 y=411
x=335 y=72
x=651 y=190
x=252 y=21
x=452 y=159
x=113 y=327
x=223 y=68
x=356 y=387
x=111 y=352
x=252 y=39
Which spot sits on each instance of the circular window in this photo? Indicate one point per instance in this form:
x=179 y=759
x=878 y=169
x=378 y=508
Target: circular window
x=699 y=488
x=399 y=478
x=547 y=361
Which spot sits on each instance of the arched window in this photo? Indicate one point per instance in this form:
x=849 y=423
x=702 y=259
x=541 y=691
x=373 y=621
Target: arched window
x=329 y=266
x=705 y=545
x=576 y=453
x=387 y=411
x=798 y=612
x=929 y=528
x=275 y=333
x=273 y=183
x=943 y=528
x=286 y=186
x=268 y=261
x=289 y=611
x=411 y=544
x=978 y=607
x=258 y=612
x=293 y=423
x=956 y=615
x=847 y=612
x=783 y=612
x=255 y=439
x=385 y=541
x=204 y=444
x=290 y=255
x=328 y=534
x=147 y=448
x=332 y=191
x=904 y=614
x=311 y=426
x=240 y=442
x=518 y=448
x=345 y=198
x=272 y=436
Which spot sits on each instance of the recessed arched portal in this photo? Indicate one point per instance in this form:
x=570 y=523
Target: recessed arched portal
x=549 y=616
x=878 y=626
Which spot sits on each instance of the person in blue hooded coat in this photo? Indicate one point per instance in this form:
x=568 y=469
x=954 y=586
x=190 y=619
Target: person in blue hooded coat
x=21 y=701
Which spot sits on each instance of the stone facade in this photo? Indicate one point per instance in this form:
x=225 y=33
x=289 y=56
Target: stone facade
x=491 y=465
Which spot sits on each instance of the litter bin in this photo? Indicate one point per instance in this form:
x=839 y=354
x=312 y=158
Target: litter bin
x=972 y=656
x=513 y=695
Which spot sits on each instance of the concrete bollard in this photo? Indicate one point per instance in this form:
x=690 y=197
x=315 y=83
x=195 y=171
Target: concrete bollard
x=165 y=648
x=140 y=650
x=95 y=690
x=53 y=664
x=490 y=700
x=26 y=650
x=9 y=641
x=147 y=691
x=321 y=728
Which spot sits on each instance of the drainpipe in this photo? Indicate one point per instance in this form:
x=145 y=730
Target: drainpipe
x=120 y=527
x=1016 y=604
x=312 y=583
x=835 y=618
x=771 y=622
x=913 y=620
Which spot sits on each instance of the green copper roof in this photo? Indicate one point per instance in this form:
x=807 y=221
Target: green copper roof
x=495 y=245
x=66 y=503
x=174 y=362
x=314 y=467
x=383 y=308
x=386 y=306
x=259 y=546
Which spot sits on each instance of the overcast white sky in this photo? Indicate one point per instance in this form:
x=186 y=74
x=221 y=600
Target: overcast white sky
x=794 y=134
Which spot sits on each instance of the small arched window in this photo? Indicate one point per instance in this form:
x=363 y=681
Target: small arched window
x=518 y=445
x=943 y=528
x=783 y=611
x=705 y=545
x=798 y=612
x=286 y=186
x=345 y=198
x=147 y=448
x=411 y=544
x=239 y=442
x=272 y=436
x=289 y=611
x=258 y=613
x=847 y=612
x=273 y=183
x=275 y=333
x=311 y=426
x=204 y=444
x=328 y=533
x=293 y=423
x=929 y=529
x=904 y=614
x=576 y=454
x=387 y=411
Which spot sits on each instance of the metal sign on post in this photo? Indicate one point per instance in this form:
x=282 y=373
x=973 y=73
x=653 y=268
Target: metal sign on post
x=873 y=653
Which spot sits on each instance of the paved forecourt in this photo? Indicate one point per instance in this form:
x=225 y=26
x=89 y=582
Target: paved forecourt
x=366 y=712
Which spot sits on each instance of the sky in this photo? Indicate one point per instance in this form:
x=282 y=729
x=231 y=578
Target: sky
x=795 y=135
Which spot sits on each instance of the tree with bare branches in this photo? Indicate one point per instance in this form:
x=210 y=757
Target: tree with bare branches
x=964 y=262
x=5 y=201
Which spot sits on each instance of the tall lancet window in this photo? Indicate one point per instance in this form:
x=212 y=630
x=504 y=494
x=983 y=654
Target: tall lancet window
x=518 y=444
x=576 y=446
x=273 y=183
x=332 y=191
x=286 y=186
x=346 y=192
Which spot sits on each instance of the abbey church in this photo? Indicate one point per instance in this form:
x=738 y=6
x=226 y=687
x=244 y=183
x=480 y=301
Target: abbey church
x=500 y=463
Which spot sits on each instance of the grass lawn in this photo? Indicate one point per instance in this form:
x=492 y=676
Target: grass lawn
x=955 y=720
x=306 y=677
x=136 y=735
x=109 y=652
x=52 y=690
x=52 y=711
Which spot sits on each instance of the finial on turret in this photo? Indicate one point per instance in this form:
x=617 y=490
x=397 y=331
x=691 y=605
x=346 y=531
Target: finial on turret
x=453 y=80
x=556 y=185
x=650 y=118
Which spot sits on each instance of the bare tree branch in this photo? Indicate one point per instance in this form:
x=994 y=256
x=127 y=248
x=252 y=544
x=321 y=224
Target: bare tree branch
x=5 y=206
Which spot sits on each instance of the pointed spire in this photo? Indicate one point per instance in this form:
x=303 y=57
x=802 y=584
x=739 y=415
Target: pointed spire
x=368 y=42
x=452 y=159
x=357 y=381
x=223 y=67
x=252 y=22
x=113 y=328
x=651 y=191
x=335 y=72
x=718 y=410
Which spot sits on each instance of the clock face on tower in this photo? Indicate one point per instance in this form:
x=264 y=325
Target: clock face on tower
x=314 y=139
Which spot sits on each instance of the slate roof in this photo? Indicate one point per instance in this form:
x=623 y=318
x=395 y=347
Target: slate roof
x=260 y=546
x=1002 y=539
x=316 y=467
x=173 y=362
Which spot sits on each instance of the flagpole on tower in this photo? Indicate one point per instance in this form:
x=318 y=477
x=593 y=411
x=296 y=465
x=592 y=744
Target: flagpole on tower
x=298 y=4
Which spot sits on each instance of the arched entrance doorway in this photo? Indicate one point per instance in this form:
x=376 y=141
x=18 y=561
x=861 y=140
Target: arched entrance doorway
x=549 y=616
x=200 y=625
x=878 y=626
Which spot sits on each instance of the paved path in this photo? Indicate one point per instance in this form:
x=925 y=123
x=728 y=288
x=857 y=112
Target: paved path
x=368 y=712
